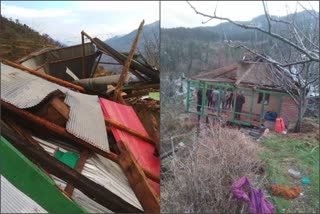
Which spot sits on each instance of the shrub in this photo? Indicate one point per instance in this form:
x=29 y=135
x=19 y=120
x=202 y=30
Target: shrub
x=200 y=176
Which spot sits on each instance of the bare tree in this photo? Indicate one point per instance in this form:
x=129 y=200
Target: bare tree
x=294 y=52
x=151 y=49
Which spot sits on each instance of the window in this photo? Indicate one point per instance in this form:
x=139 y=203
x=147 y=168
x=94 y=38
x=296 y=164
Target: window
x=266 y=99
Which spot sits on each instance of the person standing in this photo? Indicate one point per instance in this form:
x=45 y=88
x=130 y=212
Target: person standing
x=225 y=97
x=230 y=99
x=209 y=97
x=215 y=96
x=239 y=102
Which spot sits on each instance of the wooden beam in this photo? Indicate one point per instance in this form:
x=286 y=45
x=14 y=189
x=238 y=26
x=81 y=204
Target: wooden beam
x=138 y=181
x=60 y=106
x=93 y=190
x=126 y=66
x=224 y=70
x=45 y=76
x=79 y=166
x=129 y=130
x=22 y=133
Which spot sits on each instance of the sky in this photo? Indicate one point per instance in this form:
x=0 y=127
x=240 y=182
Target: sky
x=180 y=14
x=64 y=20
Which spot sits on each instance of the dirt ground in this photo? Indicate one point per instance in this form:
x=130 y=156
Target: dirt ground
x=148 y=111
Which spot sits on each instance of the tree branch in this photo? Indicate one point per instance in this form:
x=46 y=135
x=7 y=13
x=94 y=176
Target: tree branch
x=267 y=15
x=277 y=36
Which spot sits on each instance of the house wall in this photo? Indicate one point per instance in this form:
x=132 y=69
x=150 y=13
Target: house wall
x=289 y=110
x=256 y=108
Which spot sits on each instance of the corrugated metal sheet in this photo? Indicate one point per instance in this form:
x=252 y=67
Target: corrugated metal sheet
x=102 y=171
x=15 y=201
x=141 y=150
x=25 y=90
x=50 y=55
x=86 y=119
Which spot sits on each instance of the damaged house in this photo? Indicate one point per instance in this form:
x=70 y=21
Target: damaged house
x=263 y=94
x=74 y=143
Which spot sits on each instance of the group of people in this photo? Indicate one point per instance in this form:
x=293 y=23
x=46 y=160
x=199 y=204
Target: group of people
x=227 y=100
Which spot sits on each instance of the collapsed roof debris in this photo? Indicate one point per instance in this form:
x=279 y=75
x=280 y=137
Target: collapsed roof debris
x=97 y=159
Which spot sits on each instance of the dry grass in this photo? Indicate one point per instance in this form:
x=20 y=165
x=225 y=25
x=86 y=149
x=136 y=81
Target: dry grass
x=201 y=175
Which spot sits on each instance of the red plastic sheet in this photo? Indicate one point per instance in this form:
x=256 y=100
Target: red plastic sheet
x=141 y=150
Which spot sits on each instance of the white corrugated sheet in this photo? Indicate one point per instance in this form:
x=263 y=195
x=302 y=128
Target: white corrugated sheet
x=15 y=201
x=24 y=90
x=86 y=120
x=102 y=171
x=85 y=114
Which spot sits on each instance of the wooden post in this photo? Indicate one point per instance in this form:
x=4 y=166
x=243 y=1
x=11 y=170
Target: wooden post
x=219 y=100
x=251 y=104
x=203 y=99
x=79 y=166
x=125 y=69
x=234 y=103
x=262 y=109
x=83 y=56
x=138 y=181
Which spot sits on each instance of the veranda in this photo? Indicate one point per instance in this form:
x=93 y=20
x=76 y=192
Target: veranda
x=257 y=102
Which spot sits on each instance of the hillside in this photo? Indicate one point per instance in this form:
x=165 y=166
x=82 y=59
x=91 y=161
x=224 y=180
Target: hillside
x=202 y=48
x=18 y=40
x=123 y=43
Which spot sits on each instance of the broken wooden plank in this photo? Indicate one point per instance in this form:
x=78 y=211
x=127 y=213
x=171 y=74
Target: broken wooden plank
x=138 y=180
x=60 y=106
x=126 y=66
x=21 y=132
x=93 y=190
x=79 y=166
x=119 y=126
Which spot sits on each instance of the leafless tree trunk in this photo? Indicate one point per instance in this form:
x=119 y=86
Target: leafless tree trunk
x=295 y=53
x=151 y=49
